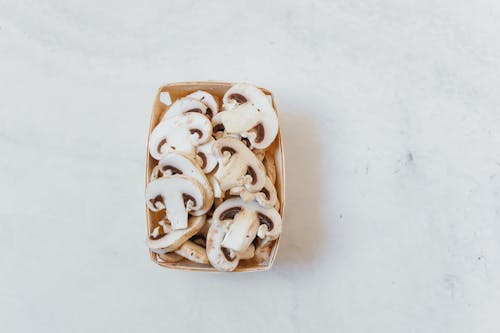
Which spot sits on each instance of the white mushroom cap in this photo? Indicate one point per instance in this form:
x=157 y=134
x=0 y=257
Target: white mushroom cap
x=269 y=218
x=207 y=99
x=185 y=105
x=238 y=166
x=178 y=195
x=179 y=164
x=181 y=133
x=266 y=197
x=248 y=112
x=206 y=157
x=171 y=239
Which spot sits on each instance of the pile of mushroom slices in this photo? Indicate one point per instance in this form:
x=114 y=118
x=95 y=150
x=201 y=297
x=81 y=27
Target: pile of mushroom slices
x=215 y=179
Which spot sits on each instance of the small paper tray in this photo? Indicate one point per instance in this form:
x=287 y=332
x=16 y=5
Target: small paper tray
x=179 y=90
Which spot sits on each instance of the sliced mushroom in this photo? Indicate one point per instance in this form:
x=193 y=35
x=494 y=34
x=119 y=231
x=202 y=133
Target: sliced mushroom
x=185 y=105
x=242 y=230
x=181 y=133
x=248 y=112
x=178 y=195
x=179 y=164
x=232 y=231
x=270 y=165
x=207 y=99
x=206 y=157
x=269 y=219
x=164 y=239
x=193 y=252
x=218 y=256
x=266 y=197
x=238 y=166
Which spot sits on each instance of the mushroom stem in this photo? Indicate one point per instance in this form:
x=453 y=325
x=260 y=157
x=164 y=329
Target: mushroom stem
x=242 y=231
x=177 y=213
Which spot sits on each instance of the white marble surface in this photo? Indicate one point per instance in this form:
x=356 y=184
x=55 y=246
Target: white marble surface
x=391 y=120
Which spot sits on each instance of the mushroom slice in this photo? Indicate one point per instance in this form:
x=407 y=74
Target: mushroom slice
x=193 y=252
x=178 y=195
x=181 y=133
x=207 y=99
x=179 y=164
x=232 y=231
x=270 y=224
x=242 y=230
x=266 y=197
x=185 y=105
x=249 y=112
x=206 y=157
x=238 y=166
x=169 y=240
x=219 y=256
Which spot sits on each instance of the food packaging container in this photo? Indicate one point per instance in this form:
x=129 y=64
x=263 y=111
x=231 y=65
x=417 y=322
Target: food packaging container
x=168 y=94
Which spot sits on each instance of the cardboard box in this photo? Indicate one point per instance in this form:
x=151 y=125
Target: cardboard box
x=179 y=90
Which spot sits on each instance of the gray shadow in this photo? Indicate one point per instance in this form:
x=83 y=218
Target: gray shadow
x=303 y=225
